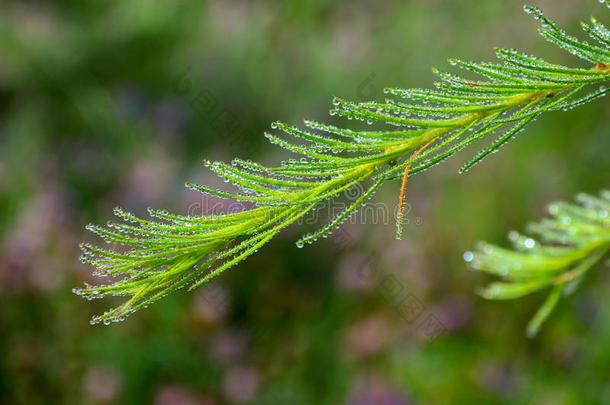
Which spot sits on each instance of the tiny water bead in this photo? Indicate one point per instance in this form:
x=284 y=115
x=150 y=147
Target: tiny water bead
x=468 y=256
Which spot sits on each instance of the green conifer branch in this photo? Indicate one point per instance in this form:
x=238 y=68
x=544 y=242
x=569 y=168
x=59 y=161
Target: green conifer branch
x=152 y=257
x=577 y=237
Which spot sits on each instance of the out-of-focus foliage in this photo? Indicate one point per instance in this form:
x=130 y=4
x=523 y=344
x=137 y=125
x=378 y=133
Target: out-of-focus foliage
x=569 y=245
x=113 y=102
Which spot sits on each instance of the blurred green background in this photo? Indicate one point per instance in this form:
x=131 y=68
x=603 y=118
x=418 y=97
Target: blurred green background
x=116 y=103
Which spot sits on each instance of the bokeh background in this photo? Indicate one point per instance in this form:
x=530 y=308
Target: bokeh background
x=117 y=102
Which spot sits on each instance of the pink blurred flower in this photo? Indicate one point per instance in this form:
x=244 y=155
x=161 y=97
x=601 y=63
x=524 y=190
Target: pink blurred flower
x=354 y=273
x=211 y=303
x=101 y=384
x=374 y=391
x=367 y=337
x=241 y=384
x=176 y=395
x=35 y=251
x=228 y=346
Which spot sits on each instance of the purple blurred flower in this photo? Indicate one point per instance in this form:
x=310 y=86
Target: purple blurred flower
x=455 y=313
